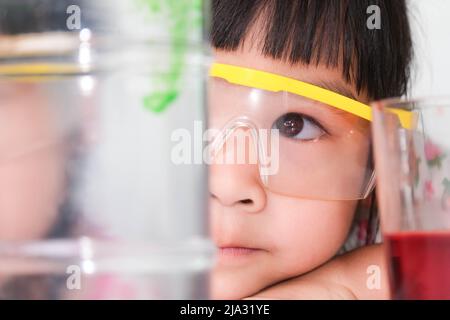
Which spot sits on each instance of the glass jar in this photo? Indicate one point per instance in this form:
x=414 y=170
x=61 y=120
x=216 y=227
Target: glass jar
x=97 y=102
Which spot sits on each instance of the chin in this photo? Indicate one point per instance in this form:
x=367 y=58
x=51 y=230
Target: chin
x=232 y=284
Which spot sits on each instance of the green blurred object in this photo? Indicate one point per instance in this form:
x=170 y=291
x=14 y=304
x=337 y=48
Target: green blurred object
x=184 y=15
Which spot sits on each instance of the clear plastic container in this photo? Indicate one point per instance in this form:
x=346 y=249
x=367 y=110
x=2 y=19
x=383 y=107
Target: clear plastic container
x=93 y=204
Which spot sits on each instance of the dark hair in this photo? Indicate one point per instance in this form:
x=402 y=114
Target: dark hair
x=332 y=32
x=312 y=31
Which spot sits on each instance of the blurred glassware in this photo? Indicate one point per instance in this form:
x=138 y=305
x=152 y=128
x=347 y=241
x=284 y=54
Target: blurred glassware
x=413 y=185
x=92 y=204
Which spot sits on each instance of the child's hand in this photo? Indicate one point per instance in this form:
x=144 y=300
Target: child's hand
x=360 y=274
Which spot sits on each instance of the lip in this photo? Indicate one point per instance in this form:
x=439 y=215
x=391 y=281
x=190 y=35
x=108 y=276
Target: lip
x=236 y=253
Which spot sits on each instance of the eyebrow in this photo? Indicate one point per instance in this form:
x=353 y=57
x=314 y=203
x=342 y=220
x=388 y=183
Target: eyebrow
x=339 y=88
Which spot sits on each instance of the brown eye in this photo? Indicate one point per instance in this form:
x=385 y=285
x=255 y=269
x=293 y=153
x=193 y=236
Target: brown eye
x=290 y=124
x=297 y=126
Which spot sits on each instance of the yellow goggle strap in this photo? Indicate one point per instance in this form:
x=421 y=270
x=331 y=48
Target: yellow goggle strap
x=272 y=82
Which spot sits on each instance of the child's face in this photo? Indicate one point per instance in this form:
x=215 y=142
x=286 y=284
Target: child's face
x=291 y=235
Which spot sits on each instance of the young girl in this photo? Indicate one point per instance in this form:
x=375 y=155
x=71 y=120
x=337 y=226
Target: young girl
x=306 y=70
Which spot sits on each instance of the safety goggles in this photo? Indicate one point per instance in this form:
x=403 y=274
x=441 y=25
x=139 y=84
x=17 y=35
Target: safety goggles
x=308 y=141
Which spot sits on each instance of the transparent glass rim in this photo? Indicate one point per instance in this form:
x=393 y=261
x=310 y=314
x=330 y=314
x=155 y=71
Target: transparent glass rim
x=67 y=53
x=419 y=103
x=97 y=256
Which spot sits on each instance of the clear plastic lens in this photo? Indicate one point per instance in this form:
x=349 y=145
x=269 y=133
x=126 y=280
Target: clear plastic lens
x=302 y=148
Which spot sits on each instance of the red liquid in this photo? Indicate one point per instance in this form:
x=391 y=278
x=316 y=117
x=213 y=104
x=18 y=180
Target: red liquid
x=420 y=265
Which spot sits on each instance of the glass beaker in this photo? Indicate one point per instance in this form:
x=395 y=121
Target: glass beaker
x=413 y=172
x=94 y=203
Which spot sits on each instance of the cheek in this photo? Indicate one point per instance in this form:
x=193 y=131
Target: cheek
x=308 y=233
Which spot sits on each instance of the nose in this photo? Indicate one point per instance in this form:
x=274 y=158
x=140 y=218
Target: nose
x=237 y=184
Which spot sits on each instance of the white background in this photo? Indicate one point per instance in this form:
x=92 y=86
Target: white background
x=430 y=22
